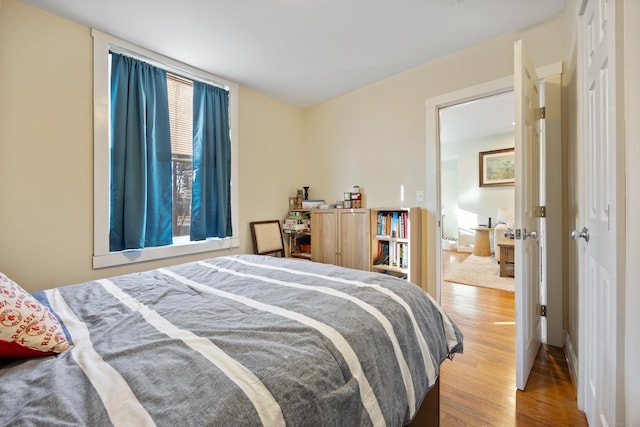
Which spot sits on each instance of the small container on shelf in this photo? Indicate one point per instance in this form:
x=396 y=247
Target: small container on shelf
x=305 y=248
x=356 y=200
x=311 y=204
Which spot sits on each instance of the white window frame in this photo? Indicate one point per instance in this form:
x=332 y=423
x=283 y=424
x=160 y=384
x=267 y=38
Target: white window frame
x=102 y=257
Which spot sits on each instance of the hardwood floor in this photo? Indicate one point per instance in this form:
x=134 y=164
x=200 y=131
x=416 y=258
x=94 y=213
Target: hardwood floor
x=478 y=387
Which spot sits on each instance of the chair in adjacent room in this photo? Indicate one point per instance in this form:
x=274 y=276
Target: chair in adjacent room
x=267 y=238
x=504 y=223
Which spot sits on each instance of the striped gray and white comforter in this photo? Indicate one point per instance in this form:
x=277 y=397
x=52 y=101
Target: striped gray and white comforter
x=240 y=340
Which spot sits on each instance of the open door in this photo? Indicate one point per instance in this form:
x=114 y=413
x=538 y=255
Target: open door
x=527 y=191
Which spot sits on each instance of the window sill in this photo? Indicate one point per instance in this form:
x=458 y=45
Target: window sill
x=179 y=248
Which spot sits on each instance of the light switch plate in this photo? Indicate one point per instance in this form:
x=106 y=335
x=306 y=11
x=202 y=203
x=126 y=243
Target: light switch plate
x=420 y=196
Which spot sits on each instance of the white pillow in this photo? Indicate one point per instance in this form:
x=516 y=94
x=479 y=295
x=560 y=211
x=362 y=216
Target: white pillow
x=27 y=327
x=506 y=216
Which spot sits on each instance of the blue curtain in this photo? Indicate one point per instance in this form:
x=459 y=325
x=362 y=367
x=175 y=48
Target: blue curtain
x=140 y=156
x=211 y=192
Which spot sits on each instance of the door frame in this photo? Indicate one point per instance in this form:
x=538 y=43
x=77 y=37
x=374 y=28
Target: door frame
x=433 y=199
x=432 y=185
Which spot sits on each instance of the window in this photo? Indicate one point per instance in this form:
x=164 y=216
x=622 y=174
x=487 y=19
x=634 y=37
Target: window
x=180 y=92
x=180 y=79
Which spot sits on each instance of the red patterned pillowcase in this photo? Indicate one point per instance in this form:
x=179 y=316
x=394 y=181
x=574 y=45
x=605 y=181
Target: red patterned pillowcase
x=27 y=328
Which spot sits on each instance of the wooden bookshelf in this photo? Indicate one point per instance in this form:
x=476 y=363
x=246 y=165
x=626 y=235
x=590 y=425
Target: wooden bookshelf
x=396 y=242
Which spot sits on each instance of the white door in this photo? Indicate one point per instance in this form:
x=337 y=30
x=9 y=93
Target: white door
x=598 y=346
x=527 y=192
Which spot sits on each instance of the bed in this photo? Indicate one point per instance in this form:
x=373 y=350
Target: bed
x=241 y=340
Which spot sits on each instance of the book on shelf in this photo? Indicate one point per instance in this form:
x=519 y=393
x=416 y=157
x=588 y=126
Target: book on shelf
x=394 y=224
x=392 y=254
x=382 y=257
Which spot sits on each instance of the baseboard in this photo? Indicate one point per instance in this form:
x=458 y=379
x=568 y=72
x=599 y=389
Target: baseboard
x=468 y=249
x=572 y=359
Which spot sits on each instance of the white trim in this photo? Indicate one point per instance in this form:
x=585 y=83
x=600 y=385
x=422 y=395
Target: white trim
x=550 y=70
x=102 y=43
x=572 y=359
x=124 y=47
x=433 y=105
x=149 y=254
x=434 y=225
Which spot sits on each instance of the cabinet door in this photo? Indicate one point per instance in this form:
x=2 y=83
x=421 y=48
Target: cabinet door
x=324 y=236
x=354 y=238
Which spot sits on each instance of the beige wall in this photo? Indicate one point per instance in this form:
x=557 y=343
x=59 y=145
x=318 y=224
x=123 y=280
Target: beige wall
x=46 y=153
x=375 y=137
x=46 y=147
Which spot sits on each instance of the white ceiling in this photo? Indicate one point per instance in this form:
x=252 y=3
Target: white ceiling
x=305 y=52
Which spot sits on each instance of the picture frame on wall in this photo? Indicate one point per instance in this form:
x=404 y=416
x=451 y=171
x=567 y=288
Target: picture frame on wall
x=497 y=167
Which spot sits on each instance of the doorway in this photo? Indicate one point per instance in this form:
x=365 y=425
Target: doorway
x=466 y=130
x=471 y=132
x=434 y=176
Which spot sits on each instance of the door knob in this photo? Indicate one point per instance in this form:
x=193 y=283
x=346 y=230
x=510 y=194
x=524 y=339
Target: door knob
x=529 y=234
x=508 y=234
x=584 y=234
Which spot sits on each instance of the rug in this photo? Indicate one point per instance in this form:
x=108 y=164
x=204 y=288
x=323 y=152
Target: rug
x=481 y=271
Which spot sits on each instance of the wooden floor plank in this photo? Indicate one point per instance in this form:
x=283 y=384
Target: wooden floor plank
x=478 y=387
